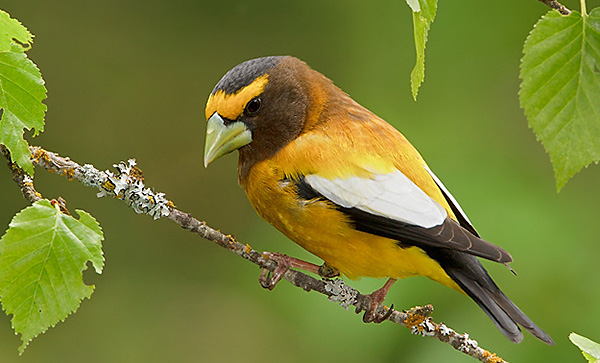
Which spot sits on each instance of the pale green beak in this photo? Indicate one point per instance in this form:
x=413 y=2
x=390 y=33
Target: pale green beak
x=221 y=139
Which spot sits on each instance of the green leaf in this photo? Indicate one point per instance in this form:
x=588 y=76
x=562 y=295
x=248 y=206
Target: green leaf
x=21 y=93
x=423 y=15
x=42 y=258
x=589 y=358
x=589 y=348
x=560 y=89
x=11 y=30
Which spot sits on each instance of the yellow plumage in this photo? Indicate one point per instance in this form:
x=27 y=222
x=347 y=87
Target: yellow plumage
x=333 y=151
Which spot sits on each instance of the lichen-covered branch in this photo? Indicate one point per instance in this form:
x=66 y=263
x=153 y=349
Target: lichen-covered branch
x=127 y=185
x=557 y=6
x=24 y=181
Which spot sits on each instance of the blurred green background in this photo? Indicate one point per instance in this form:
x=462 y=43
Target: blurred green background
x=130 y=79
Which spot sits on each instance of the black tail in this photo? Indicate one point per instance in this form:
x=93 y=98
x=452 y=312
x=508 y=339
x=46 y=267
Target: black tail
x=471 y=276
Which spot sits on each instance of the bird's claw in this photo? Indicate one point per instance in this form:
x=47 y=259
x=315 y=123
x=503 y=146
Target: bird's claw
x=383 y=316
x=373 y=313
x=328 y=272
x=269 y=279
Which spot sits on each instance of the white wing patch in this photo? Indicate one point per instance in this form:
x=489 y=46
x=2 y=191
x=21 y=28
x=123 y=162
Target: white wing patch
x=390 y=195
x=443 y=188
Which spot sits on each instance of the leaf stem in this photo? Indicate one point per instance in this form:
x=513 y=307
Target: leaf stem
x=583 y=8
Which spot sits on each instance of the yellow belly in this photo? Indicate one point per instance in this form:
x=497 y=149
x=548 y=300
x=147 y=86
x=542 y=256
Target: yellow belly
x=328 y=233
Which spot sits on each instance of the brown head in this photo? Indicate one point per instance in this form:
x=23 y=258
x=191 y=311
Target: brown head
x=260 y=106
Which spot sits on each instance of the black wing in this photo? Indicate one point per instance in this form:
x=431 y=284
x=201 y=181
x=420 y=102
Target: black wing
x=448 y=235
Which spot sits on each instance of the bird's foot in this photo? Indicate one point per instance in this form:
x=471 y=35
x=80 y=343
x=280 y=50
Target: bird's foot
x=269 y=279
x=328 y=272
x=372 y=315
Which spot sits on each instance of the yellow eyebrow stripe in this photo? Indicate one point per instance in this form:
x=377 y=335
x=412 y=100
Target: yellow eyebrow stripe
x=232 y=105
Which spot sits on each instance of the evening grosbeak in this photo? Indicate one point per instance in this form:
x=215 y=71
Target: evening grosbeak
x=348 y=187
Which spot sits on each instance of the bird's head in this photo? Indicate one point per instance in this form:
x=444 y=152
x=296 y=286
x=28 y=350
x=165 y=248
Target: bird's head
x=258 y=107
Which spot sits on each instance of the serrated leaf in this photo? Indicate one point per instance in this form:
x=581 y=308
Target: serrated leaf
x=21 y=93
x=423 y=15
x=560 y=89
x=589 y=348
x=11 y=30
x=42 y=258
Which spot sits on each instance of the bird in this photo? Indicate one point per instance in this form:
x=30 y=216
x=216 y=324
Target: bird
x=348 y=187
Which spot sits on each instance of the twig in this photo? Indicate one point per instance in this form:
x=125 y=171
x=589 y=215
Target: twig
x=127 y=185
x=24 y=181
x=557 y=6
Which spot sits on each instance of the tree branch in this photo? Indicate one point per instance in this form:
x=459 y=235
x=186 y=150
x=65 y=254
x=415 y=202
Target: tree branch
x=557 y=6
x=24 y=181
x=127 y=185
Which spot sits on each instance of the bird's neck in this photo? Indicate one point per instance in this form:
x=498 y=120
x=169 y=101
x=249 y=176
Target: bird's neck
x=322 y=96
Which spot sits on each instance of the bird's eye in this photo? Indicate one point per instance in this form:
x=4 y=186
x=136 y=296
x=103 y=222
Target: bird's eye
x=253 y=106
